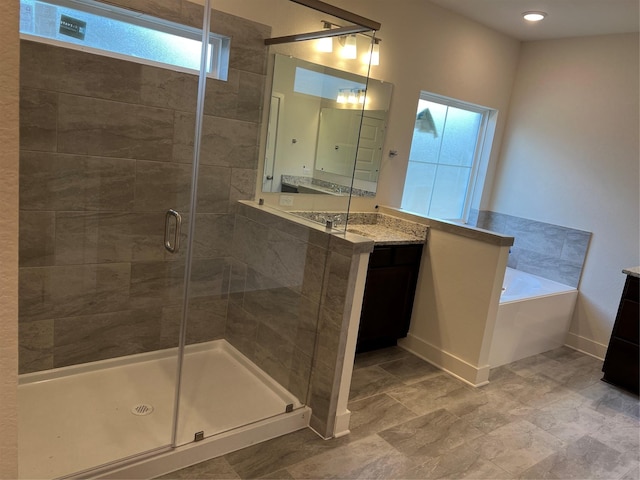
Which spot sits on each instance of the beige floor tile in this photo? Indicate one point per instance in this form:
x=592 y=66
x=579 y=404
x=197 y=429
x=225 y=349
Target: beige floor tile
x=373 y=414
x=369 y=458
x=430 y=435
x=547 y=416
x=586 y=458
x=516 y=446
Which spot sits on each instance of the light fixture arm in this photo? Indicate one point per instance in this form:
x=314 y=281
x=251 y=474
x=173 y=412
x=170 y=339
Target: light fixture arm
x=361 y=24
x=345 y=15
x=334 y=32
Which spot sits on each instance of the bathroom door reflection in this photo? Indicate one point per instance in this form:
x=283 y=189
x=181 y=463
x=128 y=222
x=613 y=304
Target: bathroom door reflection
x=102 y=160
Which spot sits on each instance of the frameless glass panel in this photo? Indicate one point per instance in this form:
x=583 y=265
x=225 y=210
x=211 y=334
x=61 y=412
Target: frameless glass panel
x=100 y=295
x=256 y=278
x=325 y=135
x=326 y=125
x=245 y=309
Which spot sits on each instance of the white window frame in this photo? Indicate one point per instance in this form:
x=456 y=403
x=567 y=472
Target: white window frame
x=482 y=151
x=219 y=45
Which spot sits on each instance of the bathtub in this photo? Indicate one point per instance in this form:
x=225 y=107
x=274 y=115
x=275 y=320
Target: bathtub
x=533 y=316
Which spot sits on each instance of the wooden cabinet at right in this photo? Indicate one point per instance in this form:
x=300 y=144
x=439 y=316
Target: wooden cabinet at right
x=621 y=365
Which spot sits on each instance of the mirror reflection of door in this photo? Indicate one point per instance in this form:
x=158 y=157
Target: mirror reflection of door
x=272 y=136
x=370 y=148
x=313 y=138
x=338 y=138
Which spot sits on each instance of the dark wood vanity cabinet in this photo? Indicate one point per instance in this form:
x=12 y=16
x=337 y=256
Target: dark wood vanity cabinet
x=621 y=363
x=388 y=295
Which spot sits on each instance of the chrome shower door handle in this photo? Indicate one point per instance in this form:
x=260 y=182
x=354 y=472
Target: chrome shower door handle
x=175 y=246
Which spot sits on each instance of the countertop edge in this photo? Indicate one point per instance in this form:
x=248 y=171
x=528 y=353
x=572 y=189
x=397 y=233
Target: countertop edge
x=632 y=271
x=338 y=238
x=463 y=230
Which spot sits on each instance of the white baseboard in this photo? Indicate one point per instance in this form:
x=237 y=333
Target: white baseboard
x=342 y=424
x=461 y=369
x=586 y=345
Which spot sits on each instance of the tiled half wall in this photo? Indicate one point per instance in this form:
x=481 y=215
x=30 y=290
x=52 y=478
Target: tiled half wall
x=290 y=305
x=550 y=251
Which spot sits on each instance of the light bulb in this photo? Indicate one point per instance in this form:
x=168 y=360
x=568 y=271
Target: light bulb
x=534 y=16
x=375 y=54
x=349 y=50
x=325 y=44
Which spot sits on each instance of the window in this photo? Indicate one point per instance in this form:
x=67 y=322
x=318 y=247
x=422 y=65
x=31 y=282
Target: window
x=446 y=150
x=107 y=30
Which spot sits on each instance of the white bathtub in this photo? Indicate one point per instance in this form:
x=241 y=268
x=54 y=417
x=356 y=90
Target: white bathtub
x=533 y=316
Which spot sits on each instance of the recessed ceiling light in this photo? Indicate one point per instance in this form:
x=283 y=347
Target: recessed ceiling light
x=534 y=16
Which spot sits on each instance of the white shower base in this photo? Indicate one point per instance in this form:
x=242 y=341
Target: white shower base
x=75 y=418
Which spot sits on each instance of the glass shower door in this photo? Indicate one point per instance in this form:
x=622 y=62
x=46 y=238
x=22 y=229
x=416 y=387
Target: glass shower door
x=256 y=280
x=239 y=366
x=104 y=157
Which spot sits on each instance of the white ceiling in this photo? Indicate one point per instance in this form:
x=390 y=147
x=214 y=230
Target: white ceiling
x=566 y=18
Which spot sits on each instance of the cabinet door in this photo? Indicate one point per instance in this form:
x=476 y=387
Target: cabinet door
x=386 y=308
x=626 y=326
x=621 y=365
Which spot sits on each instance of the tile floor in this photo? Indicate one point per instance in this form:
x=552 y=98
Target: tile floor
x=544 y=417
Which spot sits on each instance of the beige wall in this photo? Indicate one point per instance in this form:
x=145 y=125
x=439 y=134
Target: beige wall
x=569 y=152
x=9 y=58
x=456 y=304
x=423 y=47
x=570 y=157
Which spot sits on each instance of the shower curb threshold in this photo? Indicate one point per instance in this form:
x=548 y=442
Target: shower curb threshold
x=218 y=445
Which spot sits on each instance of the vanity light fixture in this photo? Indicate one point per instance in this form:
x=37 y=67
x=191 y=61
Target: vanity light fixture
x=348 y=42
x=373 y=55
x=325 y=44
x=534 y=16
x=351 y=96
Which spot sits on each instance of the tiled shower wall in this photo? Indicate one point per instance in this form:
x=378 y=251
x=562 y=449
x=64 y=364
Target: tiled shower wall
x=550 y=251
x=106 y=147
x=106 y=150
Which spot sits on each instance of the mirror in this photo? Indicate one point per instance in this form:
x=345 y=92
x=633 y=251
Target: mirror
x=326 y=130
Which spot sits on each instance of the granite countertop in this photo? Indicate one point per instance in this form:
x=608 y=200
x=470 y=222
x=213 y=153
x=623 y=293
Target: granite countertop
x=382 y=235
x=633 y=271
x=387 y=229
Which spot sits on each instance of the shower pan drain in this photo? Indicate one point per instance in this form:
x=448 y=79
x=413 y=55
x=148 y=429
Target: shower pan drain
x=142 y=409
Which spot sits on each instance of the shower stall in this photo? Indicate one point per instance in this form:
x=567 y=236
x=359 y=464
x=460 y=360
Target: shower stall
x=156 y=311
